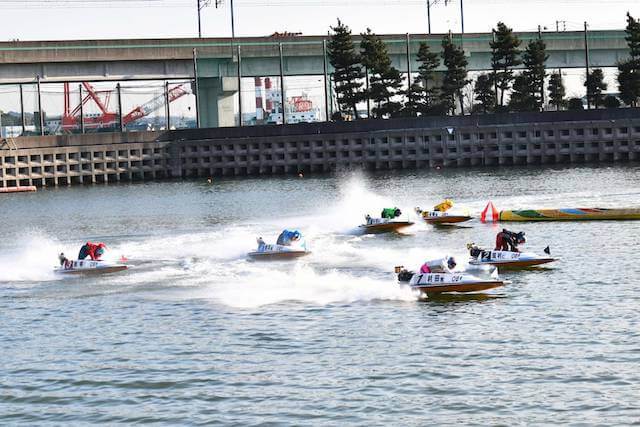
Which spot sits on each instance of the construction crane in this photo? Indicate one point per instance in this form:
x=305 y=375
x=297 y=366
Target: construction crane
x=105 y=119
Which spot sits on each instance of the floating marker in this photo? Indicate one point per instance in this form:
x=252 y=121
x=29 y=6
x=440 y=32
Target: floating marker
x=494 y=213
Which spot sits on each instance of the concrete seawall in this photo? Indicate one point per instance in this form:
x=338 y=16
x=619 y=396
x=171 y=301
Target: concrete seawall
x=483 y=140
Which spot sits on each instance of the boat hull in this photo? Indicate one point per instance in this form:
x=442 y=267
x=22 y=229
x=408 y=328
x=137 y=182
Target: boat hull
x=385 y=227
x=435 y=283
x=277 y=255
x=510 y=260
x=579 y=214
x=517 y=264
x=89 y=267
x=451 y=219
x=459 y=288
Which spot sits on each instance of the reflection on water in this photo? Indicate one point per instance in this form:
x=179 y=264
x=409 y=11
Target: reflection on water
x=196 y=331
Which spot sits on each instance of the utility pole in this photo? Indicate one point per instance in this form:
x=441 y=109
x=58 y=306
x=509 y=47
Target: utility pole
x=586 y=60
x=233 y=23
x=462 y=15
x=433 y=3
x=218 y=4
x=201 y=4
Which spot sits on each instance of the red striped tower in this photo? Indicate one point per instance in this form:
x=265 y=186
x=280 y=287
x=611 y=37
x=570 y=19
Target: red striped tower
x=267 y=88
x=259 y=108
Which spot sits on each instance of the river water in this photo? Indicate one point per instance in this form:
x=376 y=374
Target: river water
x=195 y=333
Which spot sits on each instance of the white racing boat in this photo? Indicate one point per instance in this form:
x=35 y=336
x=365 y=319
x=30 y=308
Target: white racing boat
x=507 y=259
x=383 y=225
x=272 y=252
x=89 y=267
x=440 y=217
x=459 y=282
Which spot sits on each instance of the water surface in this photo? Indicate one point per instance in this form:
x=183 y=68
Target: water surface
x=195 y=333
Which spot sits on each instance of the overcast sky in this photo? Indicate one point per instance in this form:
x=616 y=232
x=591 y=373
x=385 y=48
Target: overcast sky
x=96 y=19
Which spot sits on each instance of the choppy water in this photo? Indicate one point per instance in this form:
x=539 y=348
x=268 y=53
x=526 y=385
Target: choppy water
x=196 y=334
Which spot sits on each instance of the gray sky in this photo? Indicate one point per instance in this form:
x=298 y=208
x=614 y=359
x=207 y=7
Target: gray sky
x=89 y=19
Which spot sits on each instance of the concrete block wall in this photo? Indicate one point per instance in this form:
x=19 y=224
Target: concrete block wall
x=523 y=144
x=53 y=166
x=597 y=136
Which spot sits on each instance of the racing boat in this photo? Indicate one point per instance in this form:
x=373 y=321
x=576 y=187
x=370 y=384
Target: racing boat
x=508 y=259
x=438 y=217
x=272 y=252
x=89 y=267
x=437 y=283
x=383 y=225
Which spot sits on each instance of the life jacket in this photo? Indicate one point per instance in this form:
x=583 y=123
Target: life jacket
x=444 y=206
x=390 y=213
x=95 y=250
x=287 y=236
x=435 y=266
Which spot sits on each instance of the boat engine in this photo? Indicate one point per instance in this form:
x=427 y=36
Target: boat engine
x=404 y=275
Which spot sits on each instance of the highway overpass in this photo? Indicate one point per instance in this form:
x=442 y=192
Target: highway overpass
x=220 y=62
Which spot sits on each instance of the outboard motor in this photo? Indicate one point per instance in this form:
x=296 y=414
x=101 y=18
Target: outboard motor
x=475 y=251
x=404 y=275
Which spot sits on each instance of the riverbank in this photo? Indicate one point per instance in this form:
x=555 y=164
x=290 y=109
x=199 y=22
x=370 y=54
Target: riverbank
x=567 y=137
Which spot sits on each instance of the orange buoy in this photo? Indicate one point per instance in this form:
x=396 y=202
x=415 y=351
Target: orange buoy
x=494 y=213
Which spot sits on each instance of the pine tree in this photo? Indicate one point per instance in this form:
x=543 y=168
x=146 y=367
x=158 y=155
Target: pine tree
x=504 y=57
x=629 y=82
x=611 y=102
x=385 y=79
x=629 y=70
x=429 y=61
x=534 y=59
x=455 y=77
x=414 y=100
x=633 y=36
x=421 y=97
x=347 y=71
x=556 y=91
x=595 y=86
x=575 y=104
x=484 y=94
x=522 y=98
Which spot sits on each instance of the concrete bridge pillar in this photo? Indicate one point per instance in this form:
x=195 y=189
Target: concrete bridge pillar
x=217 y=102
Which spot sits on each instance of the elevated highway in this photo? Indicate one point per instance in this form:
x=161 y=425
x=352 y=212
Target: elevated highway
x=219 y=64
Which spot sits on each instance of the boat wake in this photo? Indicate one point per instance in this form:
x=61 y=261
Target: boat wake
x=213 y=264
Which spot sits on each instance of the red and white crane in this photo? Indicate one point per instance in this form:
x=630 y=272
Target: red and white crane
x=71 y=118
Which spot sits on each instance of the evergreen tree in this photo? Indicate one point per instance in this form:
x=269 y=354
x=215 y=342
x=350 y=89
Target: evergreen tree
x=429 y=61
x=522 y=98
x=629 y=70
x=484 y=94
x=347 y=71
x=534 y=59
x=556 y=91
x=575 y=104
x=385 y=79
x=611 y=101
x=455 y=77
x=595 y=86
x=629 y=82
x=414 y=100
x=421 y=97
x=633 y=36
x=504 y=57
